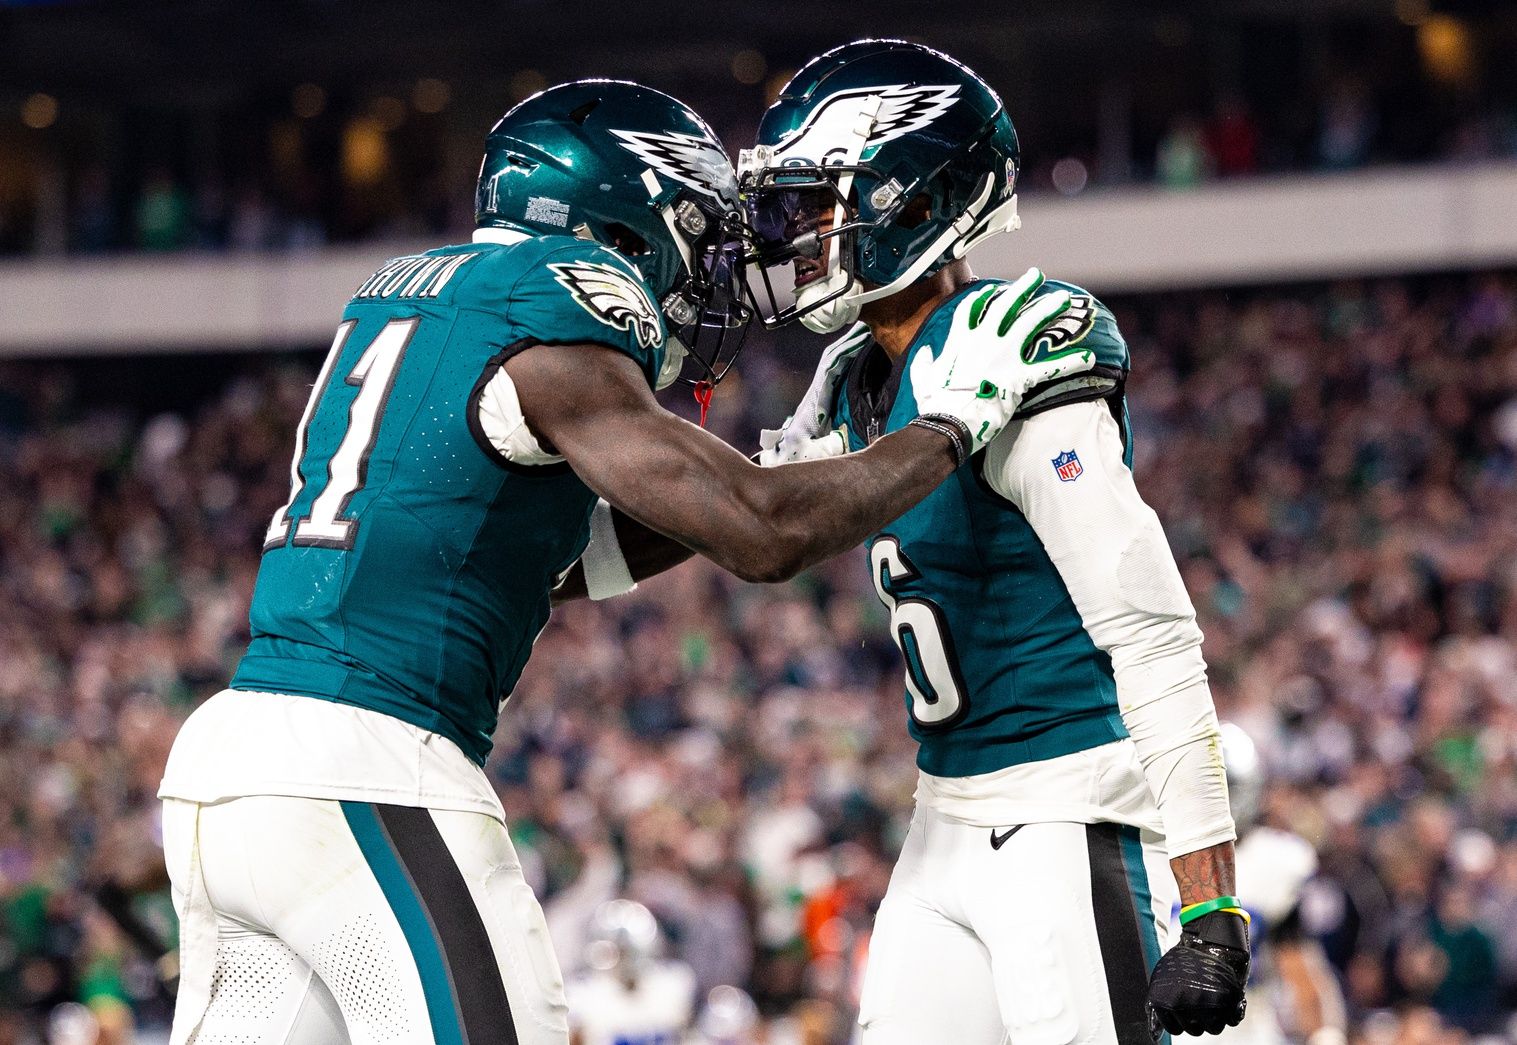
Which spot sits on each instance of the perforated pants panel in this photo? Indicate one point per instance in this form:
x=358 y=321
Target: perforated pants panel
x=310 y=920
x=262 y=991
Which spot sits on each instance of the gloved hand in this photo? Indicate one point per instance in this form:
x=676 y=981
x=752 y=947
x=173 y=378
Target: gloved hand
x=804 y=436
x=984 y=369
x=775 y=449
x=1197 y=986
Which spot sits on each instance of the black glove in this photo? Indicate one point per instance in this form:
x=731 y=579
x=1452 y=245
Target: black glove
x=1197 y=987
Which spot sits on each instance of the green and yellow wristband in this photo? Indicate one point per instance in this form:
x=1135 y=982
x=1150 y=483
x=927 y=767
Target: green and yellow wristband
x=1228 y=904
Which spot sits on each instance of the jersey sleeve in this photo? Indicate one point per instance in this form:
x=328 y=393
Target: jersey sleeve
x=577 y=292
x=1064 y=470
x=1091 y=325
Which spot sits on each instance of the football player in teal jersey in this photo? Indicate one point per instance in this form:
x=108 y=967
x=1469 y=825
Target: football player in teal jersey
x=339 y=859
x=1068 y=751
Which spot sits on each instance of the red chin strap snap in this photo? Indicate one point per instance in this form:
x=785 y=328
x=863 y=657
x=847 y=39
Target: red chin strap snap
x=703 y=390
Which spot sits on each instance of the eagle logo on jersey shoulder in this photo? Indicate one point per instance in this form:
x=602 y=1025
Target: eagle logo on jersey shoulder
x=1069 y=329
x=687 y=158
x=903 y=109
x=611 y=296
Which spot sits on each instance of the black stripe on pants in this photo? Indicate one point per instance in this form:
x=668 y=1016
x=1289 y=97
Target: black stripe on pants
x=1120 y=936
x=483 y=1009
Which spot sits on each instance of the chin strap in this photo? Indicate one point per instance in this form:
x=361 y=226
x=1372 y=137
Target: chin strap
x=665 y=212
x=703 y=393
x=1002 y=218
x=947 y=243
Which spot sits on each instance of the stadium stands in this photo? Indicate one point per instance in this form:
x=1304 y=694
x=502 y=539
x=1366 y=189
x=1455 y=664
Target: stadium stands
x=1336 y=467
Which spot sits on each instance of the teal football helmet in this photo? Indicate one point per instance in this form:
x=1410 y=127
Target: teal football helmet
x=909 y=151
x=636 y=170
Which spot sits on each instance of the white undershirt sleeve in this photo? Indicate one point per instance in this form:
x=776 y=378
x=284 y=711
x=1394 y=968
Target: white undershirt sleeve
x=502 y=428
x=1110 y=550
x=500 y=422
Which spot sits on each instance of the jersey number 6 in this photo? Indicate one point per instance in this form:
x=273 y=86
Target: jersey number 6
x=918 y=627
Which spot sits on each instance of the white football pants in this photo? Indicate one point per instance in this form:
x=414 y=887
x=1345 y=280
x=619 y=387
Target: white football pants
x=1037 y=935
x=308 y=922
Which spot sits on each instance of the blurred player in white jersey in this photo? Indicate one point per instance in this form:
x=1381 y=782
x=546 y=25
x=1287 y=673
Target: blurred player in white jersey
x=1293 y=995
x=629 y=996
x=729 y=1017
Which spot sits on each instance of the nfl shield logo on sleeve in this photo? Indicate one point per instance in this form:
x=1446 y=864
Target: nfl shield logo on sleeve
x=1068 y=466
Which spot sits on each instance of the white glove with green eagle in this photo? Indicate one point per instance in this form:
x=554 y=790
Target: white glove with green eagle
x=990 y=361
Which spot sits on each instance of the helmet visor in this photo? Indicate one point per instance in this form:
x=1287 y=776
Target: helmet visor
x=801 y=216
x=791 y=210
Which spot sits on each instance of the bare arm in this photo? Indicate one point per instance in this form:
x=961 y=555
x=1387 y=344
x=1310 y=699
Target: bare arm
x=763 y=524
x=1316 y=1001
x=1204 y=874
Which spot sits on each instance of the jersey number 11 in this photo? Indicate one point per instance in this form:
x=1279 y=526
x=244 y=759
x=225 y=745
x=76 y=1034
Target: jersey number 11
x=323 y=525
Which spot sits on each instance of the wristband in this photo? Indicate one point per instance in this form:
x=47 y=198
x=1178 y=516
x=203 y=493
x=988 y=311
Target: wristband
x=954 y=438
x=956 y=431
x=1229 y=904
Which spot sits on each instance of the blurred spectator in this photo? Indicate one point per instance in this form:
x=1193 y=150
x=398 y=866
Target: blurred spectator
x=1232 y=138
x=92 y=227
x=1467 y=992
x=1346 y=129
x=211 y=213
x=163 y=213
x=1183 y=160
x=251 y=225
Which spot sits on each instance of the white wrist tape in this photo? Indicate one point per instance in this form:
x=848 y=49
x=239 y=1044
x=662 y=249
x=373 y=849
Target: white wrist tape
x=606 y=572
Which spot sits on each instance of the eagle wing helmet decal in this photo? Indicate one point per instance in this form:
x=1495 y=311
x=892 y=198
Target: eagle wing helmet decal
x=902 y=110
x=687 y=158
x=611 y=296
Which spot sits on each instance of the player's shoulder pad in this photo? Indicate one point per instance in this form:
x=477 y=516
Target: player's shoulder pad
x=565 y=290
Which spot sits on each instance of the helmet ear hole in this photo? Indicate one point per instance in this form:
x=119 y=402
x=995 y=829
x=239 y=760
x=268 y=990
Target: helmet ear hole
x=625 y=240
x=917 y=212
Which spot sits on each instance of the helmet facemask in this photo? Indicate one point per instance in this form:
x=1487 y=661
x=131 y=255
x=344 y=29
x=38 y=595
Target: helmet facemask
x=776 y=193
x=705 y=307
x=787 y=208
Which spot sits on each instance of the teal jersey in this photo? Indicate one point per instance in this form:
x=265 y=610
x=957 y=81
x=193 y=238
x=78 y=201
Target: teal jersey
x=999 y=668
x=409 y=572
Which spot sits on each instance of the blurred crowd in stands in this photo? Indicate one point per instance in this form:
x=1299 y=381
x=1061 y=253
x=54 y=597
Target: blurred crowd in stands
x=380 y=169
x=1336 y=467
